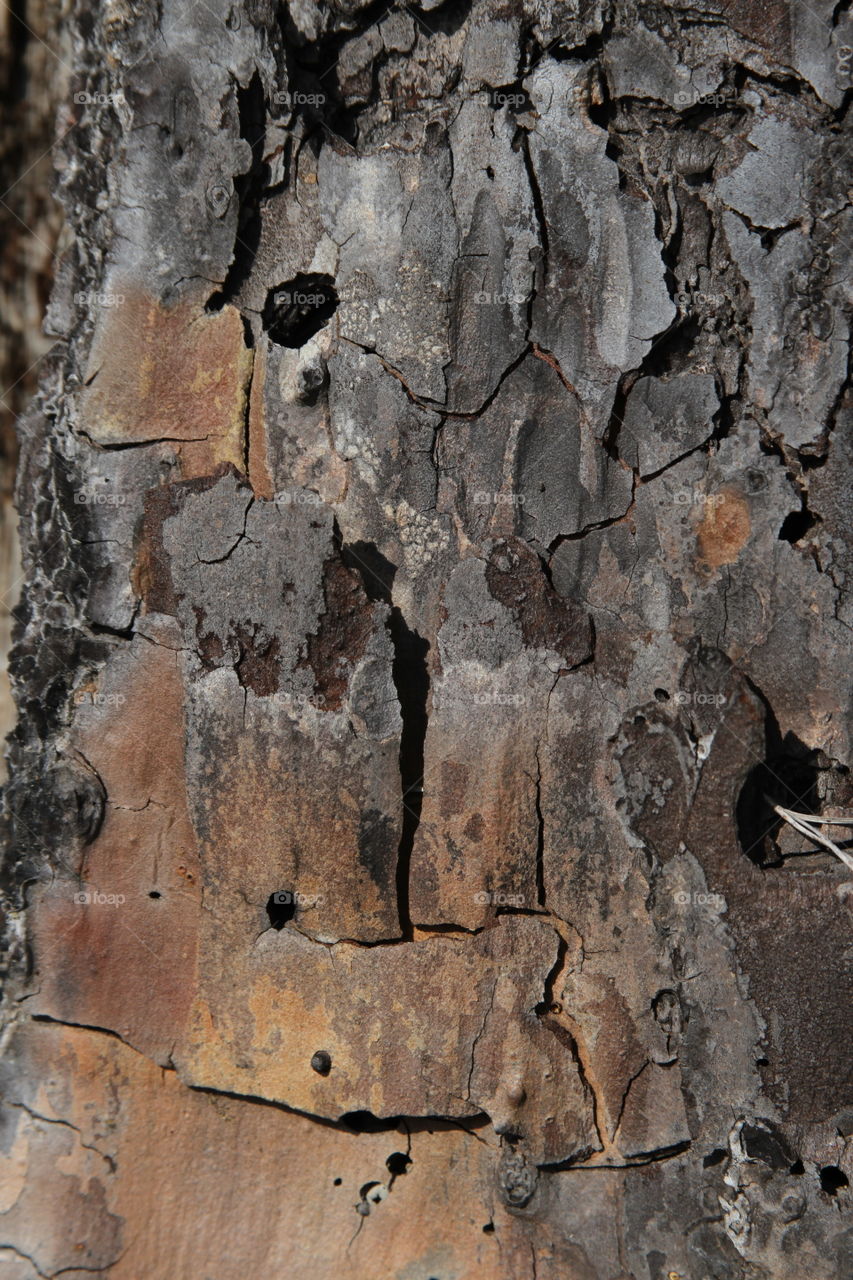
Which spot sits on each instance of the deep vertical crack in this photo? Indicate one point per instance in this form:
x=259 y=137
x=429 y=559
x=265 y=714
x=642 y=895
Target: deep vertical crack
x=410 y=674
x=540 y=836
x=411 y=680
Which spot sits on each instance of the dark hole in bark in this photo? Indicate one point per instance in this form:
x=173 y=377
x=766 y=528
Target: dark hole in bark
x=17 y=37
x=788 y=777
x=297 y=309
x=717 y=1156
x=797 y=1169
x=365 y=1121
x=337 y=1182
x=766 y=1143
x=796 y=525
x=313 y=92
x=398 y=1163
x=513 y=97
x=154 y=894
x=488 y=1228
x=661 y=695
x=377 y=572
x=280 y=909
x=832 y=1179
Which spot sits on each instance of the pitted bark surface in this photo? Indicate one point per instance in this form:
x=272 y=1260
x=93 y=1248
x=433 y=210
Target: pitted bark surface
x=434 y=525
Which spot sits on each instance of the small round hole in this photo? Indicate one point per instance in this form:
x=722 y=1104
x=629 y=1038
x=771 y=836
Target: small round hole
x=832 y=1179
x=281 y=907
x=321 y=1062
x=154 y=894
x=297 y=309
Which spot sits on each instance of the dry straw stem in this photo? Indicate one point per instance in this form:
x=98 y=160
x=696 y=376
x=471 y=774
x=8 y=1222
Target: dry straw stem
x=807 y=824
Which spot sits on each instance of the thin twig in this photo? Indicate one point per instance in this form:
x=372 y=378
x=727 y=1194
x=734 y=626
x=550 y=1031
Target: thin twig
x=807 y=823
x=815 y=818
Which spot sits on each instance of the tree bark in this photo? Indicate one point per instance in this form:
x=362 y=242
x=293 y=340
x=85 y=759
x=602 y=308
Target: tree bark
x=434 y=518
x=33 y=80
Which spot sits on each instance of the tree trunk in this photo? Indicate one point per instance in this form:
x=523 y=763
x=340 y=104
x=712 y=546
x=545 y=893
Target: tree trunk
x=33 y=79
x=433 y=518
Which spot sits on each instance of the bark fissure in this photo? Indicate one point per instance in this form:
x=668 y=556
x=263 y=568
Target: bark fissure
x=409 y=360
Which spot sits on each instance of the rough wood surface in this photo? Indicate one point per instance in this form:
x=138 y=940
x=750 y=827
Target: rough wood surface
x=435 y=523
x=33 y=81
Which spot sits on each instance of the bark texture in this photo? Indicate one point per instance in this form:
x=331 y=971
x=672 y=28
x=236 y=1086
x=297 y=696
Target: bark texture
x=33 y=80
x=434 y=518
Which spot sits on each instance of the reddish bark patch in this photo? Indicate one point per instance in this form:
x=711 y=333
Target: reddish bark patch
x=152 y=575
x=208 y=644
x=767 y=23
x=259 y=665
x=724 y=529
x=168 y=373
x=515 y=577
x=474 y=828
x=343 y=632
x=454 y=783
